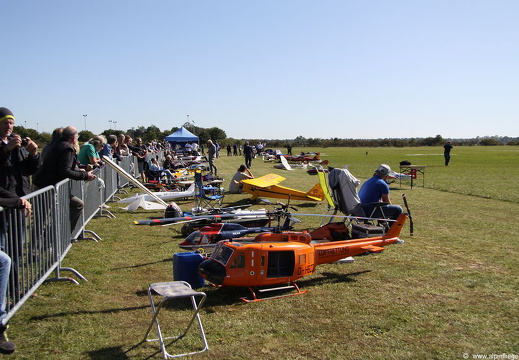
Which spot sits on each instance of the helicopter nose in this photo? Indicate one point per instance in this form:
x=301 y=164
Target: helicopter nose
x=212 y=271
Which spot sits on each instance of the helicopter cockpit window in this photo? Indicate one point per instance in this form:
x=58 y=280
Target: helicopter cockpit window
x=194 y=237
x=222 y=254
x=239 y=261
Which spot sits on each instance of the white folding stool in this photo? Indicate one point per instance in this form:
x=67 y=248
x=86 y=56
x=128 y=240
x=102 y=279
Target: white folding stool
x=170 y=291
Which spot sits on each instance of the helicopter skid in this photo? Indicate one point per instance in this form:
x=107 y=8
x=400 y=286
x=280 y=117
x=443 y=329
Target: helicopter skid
x=279 y=288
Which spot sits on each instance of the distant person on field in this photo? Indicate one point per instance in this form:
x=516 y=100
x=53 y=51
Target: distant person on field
x=211 y=154
x=248 y=151
x=241 y=174
x=376 y=190
x=447 y=152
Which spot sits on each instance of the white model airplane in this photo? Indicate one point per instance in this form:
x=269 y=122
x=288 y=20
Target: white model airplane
x=163 y=195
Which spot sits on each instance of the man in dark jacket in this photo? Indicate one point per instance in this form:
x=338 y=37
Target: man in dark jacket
x=61 y=163
x=19 y=158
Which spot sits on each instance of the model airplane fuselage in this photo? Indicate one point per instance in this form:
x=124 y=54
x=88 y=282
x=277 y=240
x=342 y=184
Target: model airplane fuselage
x=303 y=157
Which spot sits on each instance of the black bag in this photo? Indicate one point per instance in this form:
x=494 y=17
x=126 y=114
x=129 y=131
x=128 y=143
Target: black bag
x=405 y=163
x=208 y=177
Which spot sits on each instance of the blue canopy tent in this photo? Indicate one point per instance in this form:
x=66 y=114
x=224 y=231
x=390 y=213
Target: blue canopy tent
x=181 y=137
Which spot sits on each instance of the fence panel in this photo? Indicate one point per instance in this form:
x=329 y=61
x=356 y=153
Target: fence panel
x=31 y=243
x=37 y=244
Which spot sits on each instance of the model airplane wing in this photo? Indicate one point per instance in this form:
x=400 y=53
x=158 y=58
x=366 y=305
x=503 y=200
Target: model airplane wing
x=164 y=195
x=134 y=181
x=285 y=163
x=267 y=186
x=265 y=181
x=143 y=203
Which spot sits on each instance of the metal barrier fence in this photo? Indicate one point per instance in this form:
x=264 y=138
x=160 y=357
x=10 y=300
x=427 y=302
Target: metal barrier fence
x=37 y=244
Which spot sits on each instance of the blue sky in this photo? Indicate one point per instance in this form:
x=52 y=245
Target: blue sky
x=265 y=69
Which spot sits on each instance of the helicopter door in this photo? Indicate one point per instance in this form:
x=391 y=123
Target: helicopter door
x=238 y=265
x=280 y=264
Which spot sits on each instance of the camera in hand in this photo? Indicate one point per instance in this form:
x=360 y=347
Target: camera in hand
x=25 y=141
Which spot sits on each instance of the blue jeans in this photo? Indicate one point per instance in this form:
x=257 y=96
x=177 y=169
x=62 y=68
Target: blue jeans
x=390 y=211
x=5 y=267
x=212 y=166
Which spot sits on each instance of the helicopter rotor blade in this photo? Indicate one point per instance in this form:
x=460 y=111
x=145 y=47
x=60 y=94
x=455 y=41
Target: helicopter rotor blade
x=411 y=225
x=344 y=217
x=198 y=217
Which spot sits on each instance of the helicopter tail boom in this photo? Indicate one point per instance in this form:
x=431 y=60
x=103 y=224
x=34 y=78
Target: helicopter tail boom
x=335 y=250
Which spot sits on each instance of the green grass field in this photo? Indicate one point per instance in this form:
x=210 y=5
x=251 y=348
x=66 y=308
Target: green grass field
x=450 y=292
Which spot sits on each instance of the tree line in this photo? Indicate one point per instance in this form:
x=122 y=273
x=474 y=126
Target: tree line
x=152 y=132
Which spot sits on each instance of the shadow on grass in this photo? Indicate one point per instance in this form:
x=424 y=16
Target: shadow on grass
x=216 y=296
x=90 y=312
x=115 y=353
x=231 y=295
x=244 y=203
x=143 y=265
x=306 y=205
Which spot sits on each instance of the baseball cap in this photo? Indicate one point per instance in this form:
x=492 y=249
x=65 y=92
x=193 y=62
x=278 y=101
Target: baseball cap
x=383 y=170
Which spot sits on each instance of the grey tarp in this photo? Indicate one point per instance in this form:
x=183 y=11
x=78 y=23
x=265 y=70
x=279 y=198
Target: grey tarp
x=344 y=192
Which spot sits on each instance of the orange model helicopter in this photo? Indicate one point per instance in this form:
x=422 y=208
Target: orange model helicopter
x=274 y=261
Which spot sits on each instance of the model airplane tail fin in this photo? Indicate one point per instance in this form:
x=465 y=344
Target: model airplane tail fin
x=396 y=228
x=316 y=192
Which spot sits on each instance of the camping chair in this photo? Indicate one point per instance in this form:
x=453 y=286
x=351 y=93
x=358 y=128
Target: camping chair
x=157 y=178
x=173 y=292
x=152 y=175
x=206 y=196
x=344 y=193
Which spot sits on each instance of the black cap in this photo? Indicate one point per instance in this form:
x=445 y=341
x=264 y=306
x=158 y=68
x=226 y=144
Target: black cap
x=5 y=114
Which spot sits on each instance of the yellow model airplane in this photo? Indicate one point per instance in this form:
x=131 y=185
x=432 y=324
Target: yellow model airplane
x=267 y=186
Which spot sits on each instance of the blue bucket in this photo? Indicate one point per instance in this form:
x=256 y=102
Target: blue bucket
x=185 y=268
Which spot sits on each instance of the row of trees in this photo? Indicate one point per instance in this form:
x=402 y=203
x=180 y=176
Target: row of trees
x=214 y=133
